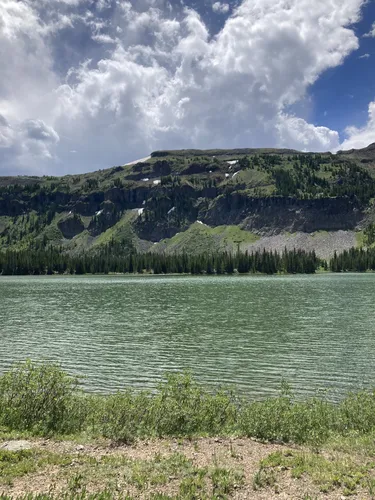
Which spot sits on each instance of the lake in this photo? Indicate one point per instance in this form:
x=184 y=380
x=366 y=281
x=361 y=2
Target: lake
x=246 y=331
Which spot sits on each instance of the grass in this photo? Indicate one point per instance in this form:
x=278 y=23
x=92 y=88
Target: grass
x=200 y=238
x=327 y=472
x=15 y=464
x=252 y=178
x=112 y=474
x=334 y=443
x=122 y=229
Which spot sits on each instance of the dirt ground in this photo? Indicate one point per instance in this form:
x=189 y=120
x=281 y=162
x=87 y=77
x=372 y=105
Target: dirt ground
x=98 y=466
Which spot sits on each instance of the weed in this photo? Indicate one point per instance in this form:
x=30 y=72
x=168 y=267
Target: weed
x=233 y=452
x=14 y=464
x=224 y=481
x=193 y=487
x=264 y=478
x=328 y=474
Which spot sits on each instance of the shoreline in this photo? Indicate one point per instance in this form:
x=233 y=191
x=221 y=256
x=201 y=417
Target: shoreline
x=202 y=275
x=182 y=443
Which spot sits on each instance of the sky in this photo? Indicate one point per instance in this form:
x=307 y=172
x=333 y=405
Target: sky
x=89 y=84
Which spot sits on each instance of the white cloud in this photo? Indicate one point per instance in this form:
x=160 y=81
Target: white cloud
x=222 y=8
x=361 y=137
x=364 y=56
x=22 y=143
x=103 y=4
x=298 y=134
x=371 y=33
x=162 y=81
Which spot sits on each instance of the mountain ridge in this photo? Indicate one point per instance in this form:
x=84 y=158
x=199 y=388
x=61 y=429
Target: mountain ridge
x=295 y=197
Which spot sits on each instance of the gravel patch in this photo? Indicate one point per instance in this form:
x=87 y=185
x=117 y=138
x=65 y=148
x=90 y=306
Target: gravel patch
x=324 y=243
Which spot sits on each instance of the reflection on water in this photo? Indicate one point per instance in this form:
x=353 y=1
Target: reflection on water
x=250 y=332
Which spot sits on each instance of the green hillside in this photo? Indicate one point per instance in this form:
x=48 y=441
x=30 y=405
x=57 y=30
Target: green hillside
x=240 y=196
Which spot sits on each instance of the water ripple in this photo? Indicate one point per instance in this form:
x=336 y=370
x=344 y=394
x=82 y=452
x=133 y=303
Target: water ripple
x=249 y=332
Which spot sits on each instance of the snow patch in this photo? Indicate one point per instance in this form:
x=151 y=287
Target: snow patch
x=171 y=210
x=156 y=182
x=235 y=173
x=141 y=160
x=140 y=211
x=146 y=179
x=227 y=175
x=232 y=162
x=200 y=222
x=99 y=212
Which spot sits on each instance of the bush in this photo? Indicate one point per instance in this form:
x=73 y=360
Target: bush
x=43 y=399
x=124 y=416
x=285 y=420
x=357 y=413
x=183 y=408
x=180 y=408
x=40 y=398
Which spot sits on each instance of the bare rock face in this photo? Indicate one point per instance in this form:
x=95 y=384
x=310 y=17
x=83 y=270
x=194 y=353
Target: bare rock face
x=18 y=445
x=106 y=217
x=71 y=226
x=273 y=215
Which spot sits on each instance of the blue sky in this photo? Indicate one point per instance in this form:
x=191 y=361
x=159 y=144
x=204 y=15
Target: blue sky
x=341 y=95
x=87 y=84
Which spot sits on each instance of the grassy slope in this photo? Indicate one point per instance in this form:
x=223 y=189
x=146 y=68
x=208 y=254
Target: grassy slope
x=200 y=238
x=122 y=230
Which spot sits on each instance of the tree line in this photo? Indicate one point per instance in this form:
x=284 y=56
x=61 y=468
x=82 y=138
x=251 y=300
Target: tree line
x=54 y=261
x=353 y=260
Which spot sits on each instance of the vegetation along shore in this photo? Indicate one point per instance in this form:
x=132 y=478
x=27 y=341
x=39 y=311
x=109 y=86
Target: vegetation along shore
x=181 y=442
x=52 y=261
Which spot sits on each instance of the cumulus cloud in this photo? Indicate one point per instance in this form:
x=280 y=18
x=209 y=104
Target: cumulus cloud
x=361 y=137
x=22 y=143
x=364 y=56
x=298 y=134
x=371 y=33
x=155 y=79
x=222 y=8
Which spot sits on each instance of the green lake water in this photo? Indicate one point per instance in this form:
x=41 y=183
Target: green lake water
x=249 y=332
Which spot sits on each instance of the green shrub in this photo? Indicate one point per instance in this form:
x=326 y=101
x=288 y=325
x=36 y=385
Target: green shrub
x=43 y=399
x=123 y=416
x=284 y=420
x=357 y=413
x=183 y=408
x=40 y=398
x=180 y=408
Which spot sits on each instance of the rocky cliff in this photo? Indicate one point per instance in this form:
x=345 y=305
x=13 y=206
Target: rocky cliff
x=264 y=193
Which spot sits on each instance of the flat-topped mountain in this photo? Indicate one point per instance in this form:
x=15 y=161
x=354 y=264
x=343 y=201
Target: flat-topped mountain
x=197 y=201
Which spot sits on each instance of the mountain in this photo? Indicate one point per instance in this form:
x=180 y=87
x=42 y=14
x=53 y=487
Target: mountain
x=198 y=201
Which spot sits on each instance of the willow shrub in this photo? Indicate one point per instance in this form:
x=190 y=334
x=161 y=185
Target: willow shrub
x=357 y=413
x=41 y=398
x=282 y=419
x=124 y=416
x=183 y=407
x=180 y=408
